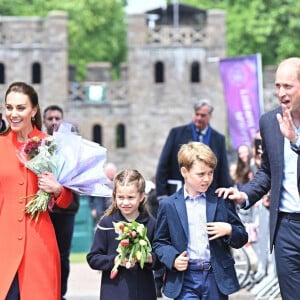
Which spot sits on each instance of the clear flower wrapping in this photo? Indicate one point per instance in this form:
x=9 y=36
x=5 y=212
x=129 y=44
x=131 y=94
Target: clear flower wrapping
x=76 y=162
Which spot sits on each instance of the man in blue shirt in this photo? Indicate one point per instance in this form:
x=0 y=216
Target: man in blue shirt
x=280 y=173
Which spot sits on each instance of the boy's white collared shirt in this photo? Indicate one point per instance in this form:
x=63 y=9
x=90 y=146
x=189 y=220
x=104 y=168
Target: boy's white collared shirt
x=198 y=244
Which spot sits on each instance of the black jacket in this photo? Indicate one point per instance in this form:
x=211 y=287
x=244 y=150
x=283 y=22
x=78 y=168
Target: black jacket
x=168 y=164
x=129 y=284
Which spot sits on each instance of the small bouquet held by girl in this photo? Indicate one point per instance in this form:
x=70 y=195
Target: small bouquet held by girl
x=134 y=245
x=76 y=163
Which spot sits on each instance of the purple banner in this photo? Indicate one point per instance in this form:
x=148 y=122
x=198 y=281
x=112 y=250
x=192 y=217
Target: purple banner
x=242 y=84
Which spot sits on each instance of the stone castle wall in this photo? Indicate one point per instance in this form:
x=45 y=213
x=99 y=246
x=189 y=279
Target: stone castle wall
x=26 y=40
x=147 y=109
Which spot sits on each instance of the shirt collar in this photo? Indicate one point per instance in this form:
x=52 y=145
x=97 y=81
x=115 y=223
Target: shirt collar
x=203 y=131
x=187 y=196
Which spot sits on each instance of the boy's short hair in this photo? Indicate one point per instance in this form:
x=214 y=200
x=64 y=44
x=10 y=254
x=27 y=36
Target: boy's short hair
x=196 y=151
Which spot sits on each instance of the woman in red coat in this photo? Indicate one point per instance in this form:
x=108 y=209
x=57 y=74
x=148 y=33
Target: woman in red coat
x=29 y=257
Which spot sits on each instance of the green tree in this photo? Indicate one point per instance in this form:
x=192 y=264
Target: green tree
x=271 y=28
x=97 y=29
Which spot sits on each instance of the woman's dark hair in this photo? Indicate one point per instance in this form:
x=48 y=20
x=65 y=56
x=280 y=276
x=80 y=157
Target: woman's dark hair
x=24 y=88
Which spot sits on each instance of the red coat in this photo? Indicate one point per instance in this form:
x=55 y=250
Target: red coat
x=27 y=247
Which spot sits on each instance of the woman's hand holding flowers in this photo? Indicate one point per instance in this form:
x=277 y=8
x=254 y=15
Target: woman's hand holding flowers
x=38 y=155
x=63 y=160
x=48 y=183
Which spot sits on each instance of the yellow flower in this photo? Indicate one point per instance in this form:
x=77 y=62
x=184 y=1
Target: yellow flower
x=119 y=227
x=138 y=255
x=134 y=245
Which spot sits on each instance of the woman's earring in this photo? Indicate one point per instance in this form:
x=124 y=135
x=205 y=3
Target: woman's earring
x=33 y=118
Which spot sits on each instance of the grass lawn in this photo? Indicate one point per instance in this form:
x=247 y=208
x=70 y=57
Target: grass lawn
x=78 y=257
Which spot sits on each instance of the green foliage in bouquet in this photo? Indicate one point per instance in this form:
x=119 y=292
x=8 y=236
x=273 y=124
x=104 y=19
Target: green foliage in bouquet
x=134 y=245
x=38 y=156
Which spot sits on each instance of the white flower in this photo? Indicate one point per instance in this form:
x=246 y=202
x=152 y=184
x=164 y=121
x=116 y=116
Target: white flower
x=128 y=265
x=140 y=229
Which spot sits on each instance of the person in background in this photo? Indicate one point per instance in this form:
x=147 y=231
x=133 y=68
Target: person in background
x=279 y=173
x=99 y=205
x=29 y=256
x=63 y=219
x=243 y=173
x=52 y=117
x=152 y=205
x=262 y=247
x=152 y=202
x=195 y=232
x=200 y=130
x=256 y=153
x=2 y=124
x=128 y=204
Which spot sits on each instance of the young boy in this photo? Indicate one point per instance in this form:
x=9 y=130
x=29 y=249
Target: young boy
x=195 y=230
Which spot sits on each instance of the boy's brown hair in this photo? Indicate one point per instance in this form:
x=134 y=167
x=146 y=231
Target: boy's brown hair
x=196 y=151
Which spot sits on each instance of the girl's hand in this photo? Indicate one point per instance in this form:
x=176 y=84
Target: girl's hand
x=117 y=260
x=149 y=259
x=127 y=264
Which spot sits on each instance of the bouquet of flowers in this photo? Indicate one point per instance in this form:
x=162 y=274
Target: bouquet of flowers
x=82 y=169
x=76 y=163
x=37 y=155
x=134 y=245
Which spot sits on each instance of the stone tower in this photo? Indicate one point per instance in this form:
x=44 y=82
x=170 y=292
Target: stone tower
x=169 y=67
x=35 y=50
x=185 y=56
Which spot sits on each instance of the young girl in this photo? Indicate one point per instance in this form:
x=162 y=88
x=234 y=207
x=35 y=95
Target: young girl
x=128 y=204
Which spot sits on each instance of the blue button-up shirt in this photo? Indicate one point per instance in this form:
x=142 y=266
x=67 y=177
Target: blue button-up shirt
x=198 y=244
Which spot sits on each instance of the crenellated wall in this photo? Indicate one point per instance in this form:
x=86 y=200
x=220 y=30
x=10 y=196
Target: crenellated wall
x=28 y=40
x=145 y=108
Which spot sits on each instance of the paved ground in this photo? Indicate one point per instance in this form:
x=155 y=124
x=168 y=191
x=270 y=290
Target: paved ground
x=84 y=284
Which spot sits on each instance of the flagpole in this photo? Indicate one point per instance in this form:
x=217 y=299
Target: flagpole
x=175 y=14
x=260 y=83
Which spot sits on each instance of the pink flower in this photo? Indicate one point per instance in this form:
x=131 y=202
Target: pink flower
x=124 y=243
x=134 y=246
x=113 y=274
